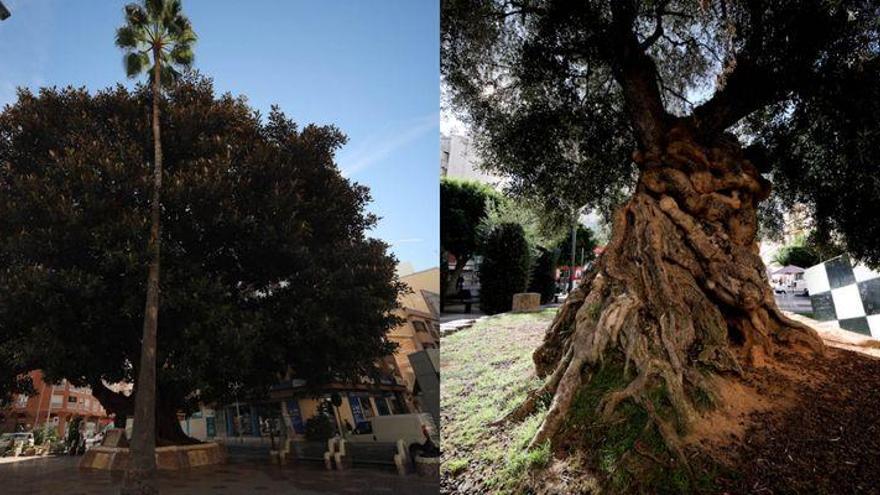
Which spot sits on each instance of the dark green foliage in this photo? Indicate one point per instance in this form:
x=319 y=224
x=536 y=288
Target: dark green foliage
x=505 y=268
x=463 y=206
x=800 y=256
x=559 y=94
x=266 y=262
x=156 y=28
x=543 y=279
x=320 y=427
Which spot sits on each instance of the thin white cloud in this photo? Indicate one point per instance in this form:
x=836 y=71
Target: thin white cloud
x=375 y=149
x=408 y=240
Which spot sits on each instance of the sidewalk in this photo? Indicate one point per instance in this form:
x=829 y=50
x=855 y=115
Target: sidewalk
x=59 y=474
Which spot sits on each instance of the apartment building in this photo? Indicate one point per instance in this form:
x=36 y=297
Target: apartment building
x=55 y=404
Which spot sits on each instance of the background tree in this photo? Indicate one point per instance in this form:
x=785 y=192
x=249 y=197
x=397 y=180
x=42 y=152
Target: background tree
x=689 y=107
x=268 y=270
x=800 y=256
x=585 y=243
x=505 y=268
x=156 y=29
x=463 y=206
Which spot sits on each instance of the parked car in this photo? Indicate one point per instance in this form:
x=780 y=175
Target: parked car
x=411 y=428
x=798 y=287
x=8 y=441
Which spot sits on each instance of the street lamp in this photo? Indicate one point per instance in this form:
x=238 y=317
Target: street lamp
x=4 y=12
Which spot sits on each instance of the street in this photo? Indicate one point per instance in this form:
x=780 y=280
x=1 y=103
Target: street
x=794 y=303
x=247 y=472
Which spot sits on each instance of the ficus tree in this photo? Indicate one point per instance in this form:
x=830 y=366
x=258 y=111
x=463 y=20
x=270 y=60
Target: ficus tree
x=689 y=108
x=154 y=32
x=268 y=270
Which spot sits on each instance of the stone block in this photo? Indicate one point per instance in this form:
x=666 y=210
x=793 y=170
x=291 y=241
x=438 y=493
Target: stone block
x=526 y=302
x=115 y=438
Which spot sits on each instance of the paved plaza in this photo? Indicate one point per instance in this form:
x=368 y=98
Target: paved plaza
x=244 y=474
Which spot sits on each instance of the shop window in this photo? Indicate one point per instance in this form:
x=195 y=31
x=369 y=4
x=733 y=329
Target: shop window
x=382 y=406
x=394 y=405
x=367 y=407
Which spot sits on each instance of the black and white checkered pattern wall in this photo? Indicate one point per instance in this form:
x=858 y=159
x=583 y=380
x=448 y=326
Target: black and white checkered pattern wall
x=846 y=294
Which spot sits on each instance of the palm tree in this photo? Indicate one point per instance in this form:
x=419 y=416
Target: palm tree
x=155 y=31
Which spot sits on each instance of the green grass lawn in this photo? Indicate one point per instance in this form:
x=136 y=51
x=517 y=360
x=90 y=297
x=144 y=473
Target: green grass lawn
x=487 y=370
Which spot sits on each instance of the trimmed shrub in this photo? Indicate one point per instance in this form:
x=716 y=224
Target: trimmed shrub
x=505 y=269
x=544 y=275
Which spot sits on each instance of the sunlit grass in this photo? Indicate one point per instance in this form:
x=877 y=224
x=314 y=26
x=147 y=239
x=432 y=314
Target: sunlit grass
x=486 y=371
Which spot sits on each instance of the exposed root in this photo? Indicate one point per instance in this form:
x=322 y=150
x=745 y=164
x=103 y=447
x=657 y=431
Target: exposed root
x=530 y=404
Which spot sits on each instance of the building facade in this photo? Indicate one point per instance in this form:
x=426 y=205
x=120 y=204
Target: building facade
x=55 y=404
x=459 y=159
x=291 y=404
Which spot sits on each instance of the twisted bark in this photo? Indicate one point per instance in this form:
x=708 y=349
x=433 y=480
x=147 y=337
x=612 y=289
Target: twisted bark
x=680 y=292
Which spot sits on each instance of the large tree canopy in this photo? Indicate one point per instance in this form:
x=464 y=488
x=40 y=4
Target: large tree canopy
x=267 y=264
x=560 y=94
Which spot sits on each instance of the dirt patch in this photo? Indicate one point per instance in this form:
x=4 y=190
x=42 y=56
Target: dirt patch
x=828 y=441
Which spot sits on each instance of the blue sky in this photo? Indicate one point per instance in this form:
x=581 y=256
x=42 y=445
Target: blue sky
x=369 y=67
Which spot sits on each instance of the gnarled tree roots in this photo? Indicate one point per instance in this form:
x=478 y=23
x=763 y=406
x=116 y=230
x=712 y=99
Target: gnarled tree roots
x=680 y=293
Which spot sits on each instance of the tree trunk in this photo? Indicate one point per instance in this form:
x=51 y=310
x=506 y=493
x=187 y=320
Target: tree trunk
x=456 y=274
x=140 y=477
x=168 y=430
x=679 y=296
x=119 y=404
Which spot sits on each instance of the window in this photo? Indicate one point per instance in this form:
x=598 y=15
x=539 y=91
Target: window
x=366 y=407
x=382 y=406
x=420 y=326
x=22 y=400
x=57 y=400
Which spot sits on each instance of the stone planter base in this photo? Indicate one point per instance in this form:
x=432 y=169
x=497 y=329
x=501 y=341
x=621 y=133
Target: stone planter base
x=428 y=467
x=526 y=302
x=171 y=458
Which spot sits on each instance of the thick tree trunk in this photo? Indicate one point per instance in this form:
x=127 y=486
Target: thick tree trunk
x=168 y=430
x=680 y=294
x=120 y=405
x=140 y=477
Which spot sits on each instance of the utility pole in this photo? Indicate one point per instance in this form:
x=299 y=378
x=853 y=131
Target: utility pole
x=573 y=253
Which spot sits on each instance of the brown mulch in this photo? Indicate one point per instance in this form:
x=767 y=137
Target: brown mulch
x=827 y=443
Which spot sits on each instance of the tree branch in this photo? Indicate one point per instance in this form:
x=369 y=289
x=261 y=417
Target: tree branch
x=658 y=28
x=637 y=74
x=748 y=88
